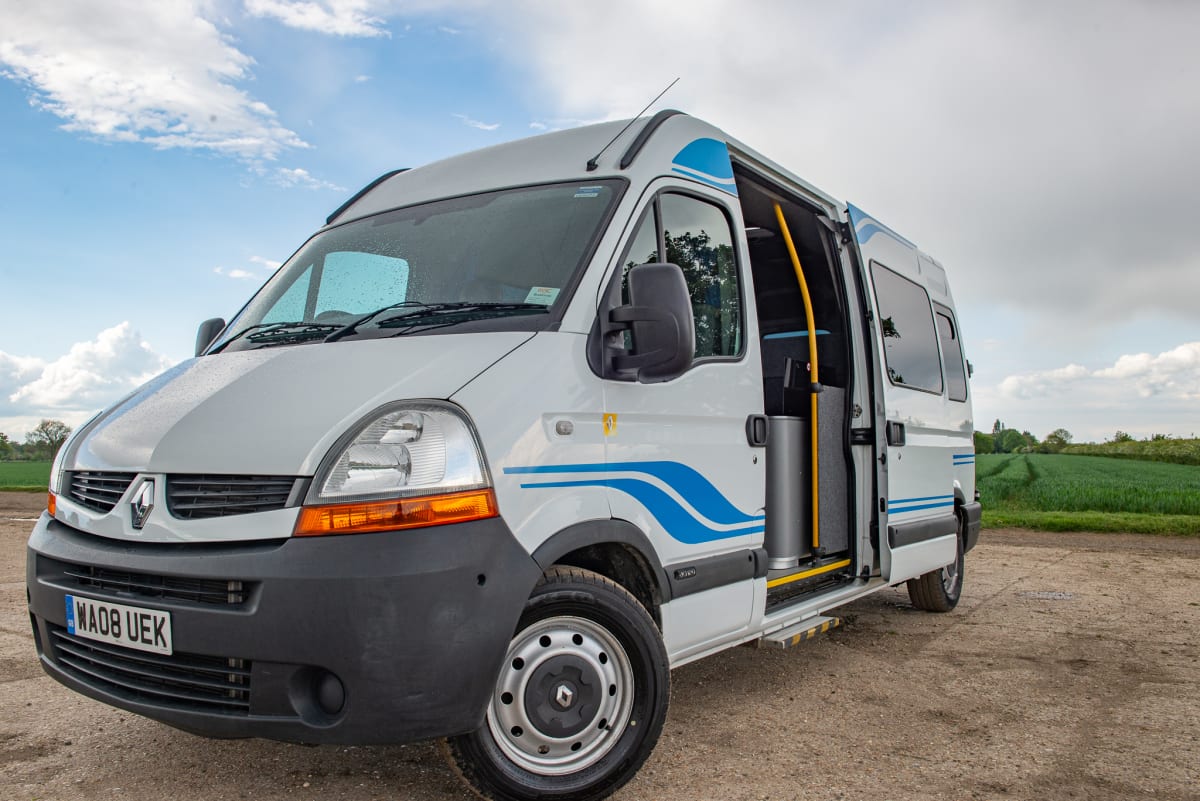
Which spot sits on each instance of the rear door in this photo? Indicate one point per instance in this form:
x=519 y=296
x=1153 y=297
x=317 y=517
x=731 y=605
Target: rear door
x=920 y=437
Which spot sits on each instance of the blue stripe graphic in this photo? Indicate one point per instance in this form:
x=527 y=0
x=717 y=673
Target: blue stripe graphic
x=694 y=488
x=706 y=160
x=866 y=227
x=676 y=520
x=902 y=505
x=680 y=523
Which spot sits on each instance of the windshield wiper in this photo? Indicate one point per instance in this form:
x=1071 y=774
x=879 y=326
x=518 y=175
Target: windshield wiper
x=350 y=328
x=283 y=333
x=467 y=310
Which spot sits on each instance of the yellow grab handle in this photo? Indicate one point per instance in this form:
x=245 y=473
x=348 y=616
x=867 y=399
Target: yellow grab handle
x=814 y=431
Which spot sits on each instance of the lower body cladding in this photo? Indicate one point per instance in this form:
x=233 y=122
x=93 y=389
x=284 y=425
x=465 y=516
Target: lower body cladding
x=355 y=639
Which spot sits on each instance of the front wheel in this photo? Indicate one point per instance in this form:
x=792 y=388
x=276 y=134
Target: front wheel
x=580 y=700
x=939 y=590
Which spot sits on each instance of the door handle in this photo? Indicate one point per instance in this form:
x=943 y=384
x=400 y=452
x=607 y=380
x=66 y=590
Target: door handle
x=895 y=433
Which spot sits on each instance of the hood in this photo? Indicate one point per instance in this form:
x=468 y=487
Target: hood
x=275 y=411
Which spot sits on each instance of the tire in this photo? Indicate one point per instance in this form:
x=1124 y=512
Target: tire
x=939 y=590
x=580 y=701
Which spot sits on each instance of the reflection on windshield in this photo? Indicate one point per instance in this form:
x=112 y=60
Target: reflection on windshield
x=503 y=256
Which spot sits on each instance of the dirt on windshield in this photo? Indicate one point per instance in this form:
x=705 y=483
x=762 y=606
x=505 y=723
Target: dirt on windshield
x=1070 y=670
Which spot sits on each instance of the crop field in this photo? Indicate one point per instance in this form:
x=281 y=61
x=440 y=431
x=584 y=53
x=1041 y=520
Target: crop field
x=1088 y=493
x=24 y=475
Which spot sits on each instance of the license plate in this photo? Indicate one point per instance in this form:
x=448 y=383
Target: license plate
x=128 y=626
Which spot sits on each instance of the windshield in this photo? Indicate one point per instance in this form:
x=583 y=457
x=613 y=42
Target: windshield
x=496 y=261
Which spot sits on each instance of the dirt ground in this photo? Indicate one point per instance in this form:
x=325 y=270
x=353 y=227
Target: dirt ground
x=1070 y=670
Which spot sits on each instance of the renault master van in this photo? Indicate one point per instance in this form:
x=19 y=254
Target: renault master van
x=509 y=438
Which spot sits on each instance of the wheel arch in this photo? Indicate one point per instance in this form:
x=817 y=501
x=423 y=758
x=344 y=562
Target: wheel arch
x=616 y=549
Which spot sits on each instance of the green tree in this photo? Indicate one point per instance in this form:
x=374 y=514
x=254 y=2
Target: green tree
x=1122 y=436
x=1010 y=441
x=984 y=443
x=45 y=440
x=1056 y=440
x=6 y=447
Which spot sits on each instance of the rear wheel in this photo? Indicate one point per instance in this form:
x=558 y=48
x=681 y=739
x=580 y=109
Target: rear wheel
x=580 y=700
x=939 y=590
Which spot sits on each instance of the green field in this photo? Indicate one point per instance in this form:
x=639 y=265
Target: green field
x=24 y=475
x=1088 y=493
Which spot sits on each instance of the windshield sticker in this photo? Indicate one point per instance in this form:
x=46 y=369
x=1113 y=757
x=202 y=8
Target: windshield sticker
x=544 y=295
x=588 y=191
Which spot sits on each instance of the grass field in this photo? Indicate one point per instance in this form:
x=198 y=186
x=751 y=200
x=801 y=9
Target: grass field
x=1088 y=493
x=24 y=475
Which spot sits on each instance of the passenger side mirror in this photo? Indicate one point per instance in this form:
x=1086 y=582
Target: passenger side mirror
x=207 y=333
x=659 y=320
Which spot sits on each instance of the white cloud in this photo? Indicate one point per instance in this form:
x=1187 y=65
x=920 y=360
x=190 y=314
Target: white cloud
x=234 y=273
x=361 y=78
x=288 y=177
x=483 y=126
x=88 y=377
x=448 y=30
x=335 y=17
x=270 y=264
x=1141 y=393
x=129 y=71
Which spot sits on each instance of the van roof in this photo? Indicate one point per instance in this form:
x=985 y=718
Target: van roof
x=559 y=156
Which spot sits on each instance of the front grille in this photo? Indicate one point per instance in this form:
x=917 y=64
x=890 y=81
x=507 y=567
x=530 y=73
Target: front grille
x=97 y=490
x=180 y=681
x=200 y=496
x=222 y=592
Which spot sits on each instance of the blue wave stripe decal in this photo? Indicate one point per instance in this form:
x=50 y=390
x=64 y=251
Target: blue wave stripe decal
x=694 y=488
x=902 y=505
x=866 y=227
x=706 y=160
x=900 y=501
x=730 y=188
x=902 y=509
x=676 y=520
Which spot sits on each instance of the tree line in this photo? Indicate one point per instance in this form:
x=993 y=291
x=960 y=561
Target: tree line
x=40 y=445
x=1010 y=440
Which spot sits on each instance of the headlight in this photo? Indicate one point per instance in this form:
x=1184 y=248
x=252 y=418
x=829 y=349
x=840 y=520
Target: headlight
x=410 y=464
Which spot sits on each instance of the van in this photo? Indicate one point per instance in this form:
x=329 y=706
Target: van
x=509 y=438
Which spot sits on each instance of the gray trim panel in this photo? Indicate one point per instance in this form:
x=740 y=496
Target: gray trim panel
x=901 y=534
x=699 y=575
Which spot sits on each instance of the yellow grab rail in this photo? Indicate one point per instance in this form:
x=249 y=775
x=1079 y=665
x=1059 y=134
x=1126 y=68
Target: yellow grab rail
x=813 y=431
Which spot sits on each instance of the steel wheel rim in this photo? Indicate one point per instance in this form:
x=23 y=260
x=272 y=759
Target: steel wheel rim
x=521 y=729
x=950 y=575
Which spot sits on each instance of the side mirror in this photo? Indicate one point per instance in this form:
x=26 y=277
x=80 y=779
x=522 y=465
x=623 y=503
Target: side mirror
x=659 y=319
x=207 y=333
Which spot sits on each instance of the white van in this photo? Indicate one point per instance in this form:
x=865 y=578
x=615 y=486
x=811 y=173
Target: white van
x=509 y=438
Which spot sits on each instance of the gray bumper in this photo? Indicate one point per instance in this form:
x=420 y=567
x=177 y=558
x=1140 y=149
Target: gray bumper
x=413 y=625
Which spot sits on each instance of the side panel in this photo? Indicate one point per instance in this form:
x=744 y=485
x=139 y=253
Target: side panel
x=680 y=466
x=926 y=432
x=537 y=409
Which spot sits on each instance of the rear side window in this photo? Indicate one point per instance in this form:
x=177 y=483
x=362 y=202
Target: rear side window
x=956 y=375
x=910 y=343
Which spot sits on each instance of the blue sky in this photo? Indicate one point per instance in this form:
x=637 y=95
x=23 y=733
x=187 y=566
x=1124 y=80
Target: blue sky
x=158 y=159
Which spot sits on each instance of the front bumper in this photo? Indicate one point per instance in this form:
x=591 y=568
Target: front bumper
x=413 y=625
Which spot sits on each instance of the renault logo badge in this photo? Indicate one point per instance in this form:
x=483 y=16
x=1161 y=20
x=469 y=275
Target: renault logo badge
x=143 y=504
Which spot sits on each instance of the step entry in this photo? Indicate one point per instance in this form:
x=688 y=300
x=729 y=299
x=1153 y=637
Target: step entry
x=804 y=630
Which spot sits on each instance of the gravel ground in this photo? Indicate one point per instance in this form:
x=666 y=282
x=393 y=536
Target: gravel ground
x=1070 y=670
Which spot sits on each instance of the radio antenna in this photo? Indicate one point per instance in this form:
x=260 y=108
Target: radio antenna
x=594 y=162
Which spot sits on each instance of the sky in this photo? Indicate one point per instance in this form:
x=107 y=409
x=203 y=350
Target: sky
x=159 y=160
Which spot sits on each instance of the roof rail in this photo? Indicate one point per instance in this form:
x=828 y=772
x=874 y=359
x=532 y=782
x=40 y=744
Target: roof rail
x=360 y=193
x=644 y=135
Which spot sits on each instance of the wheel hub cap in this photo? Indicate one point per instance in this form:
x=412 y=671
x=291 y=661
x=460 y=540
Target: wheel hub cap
x=564 y=697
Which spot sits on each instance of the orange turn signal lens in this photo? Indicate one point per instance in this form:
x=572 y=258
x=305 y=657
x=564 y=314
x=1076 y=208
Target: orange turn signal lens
x=398 y=513
x=51 y=503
